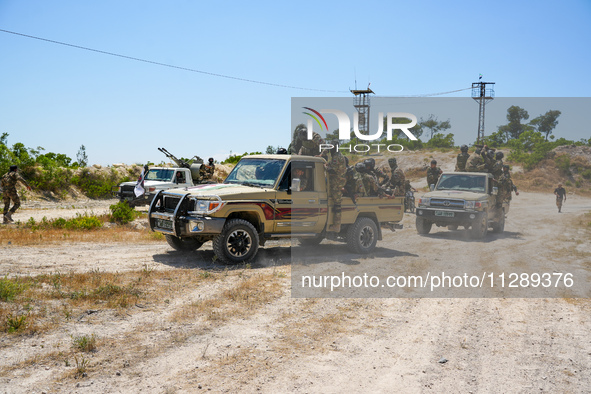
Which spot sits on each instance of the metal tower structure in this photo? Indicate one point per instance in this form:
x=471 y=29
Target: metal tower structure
x=482 y=95
x=361 y=104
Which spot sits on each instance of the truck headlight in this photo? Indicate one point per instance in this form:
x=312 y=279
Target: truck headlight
x=206 y=205
x=472 y=204
x=425 y=202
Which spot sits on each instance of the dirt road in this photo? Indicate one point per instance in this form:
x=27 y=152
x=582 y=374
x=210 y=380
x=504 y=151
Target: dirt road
x=285 y=344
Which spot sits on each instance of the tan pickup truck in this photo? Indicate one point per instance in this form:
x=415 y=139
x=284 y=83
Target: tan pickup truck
x=259 y=201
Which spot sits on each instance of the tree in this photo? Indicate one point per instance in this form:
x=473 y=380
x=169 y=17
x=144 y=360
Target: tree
x=81 y=156
x=514 y=128
x=546 y=123
x=434 y=125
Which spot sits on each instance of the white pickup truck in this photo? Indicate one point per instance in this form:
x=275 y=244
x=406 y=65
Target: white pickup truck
x=157 y=179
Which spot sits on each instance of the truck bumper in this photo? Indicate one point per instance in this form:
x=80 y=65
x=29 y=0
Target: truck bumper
x=184 y=226
x=448 y=216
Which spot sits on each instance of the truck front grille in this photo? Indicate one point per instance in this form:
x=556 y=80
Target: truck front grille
x=447 y=203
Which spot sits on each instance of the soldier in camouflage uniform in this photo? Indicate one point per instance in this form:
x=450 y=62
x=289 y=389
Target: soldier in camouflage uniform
x=397 y=179
x=206 y=170
x=370 y=165
x=462 y=159
x=354 y=185
x=506 y=186
x=372 y=188
x=9 y=181
x=311 y=147
x=497 y=167
x=433 y=173
x=476 y=161
x=336 y=169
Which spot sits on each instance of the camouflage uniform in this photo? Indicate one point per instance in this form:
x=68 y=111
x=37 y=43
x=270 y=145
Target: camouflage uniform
x=497 y=169
x=311 y=147
x=379 y=174
x=336 y=169
x=206 y=172
x=397 y=181
x=506 y=186
x=9 y=181
x=461 y=161
x=476 y=162
x=433 y=175
x=354 y=186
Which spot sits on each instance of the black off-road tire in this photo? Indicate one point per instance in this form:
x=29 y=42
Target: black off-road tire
x=479 y=227
x=183 y=244
x=362 y=236
x=423 y=226
x=237 y=243
x=452 y=227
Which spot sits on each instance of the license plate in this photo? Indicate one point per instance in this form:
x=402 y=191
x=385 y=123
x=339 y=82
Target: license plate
x=444 y=213
x=165 y=224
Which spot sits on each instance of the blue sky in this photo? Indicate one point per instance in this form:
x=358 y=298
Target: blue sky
x=60 y=97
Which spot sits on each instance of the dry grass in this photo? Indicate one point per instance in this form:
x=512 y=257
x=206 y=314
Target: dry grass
x=26 y=237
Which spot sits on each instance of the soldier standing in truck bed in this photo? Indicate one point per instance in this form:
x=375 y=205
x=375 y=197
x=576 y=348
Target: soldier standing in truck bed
x=433 y=173
x=476 y=161
x=8 y=182
x=206 y=170
x=397 y=178
x=462 y=159
x=354 y=185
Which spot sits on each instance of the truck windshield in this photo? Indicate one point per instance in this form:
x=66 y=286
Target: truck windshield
x=256 y=172
x=160 y=174
x=471 y=183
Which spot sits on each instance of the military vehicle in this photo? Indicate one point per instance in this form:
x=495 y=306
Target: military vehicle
x=259 y=201
x=467 y=199
x=161 y=178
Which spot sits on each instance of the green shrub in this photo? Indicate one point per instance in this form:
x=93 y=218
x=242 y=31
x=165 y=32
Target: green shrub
x=15 y=323
x=563 y=164
x=10 y=288
x=122 y=213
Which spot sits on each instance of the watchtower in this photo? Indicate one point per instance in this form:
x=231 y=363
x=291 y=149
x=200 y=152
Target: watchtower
x=361 y=104
x=482 y=95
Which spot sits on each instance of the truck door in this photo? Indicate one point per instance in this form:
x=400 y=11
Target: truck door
x=307 y=213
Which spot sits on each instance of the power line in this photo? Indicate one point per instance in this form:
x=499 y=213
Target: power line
x=207 y=72
x=173 y=66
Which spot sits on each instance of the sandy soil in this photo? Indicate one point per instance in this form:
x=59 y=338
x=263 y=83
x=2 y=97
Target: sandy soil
x=326 y=345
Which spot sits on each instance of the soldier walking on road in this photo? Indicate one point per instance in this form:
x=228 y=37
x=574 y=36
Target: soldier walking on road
x=560 y=194
x=506 y=187
x=9 y=181
x=462 y=159
x=433 y=173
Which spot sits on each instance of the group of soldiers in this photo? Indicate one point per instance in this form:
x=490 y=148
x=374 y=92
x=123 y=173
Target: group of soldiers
x=485 y=159
x=361 y=180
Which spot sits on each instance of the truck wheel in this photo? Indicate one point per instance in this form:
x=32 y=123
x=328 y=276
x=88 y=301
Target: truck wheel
x=423 y=226
x=183 y=244
x=237 y=243
x=362 y=236
x=479 y=227
x=499 y=227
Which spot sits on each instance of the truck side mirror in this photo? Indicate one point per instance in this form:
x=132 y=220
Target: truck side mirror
x=295 y=185
x=432 y=187
x=495 y=191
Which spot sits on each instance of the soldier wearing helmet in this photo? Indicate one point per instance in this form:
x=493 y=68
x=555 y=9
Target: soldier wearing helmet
x=506 y=186
x=206 y=170
x=476 y=162
x=433 y=173
x=380 y=176
x=372 y=188
x=397 y=179
x=462 y=158
x=497 y=168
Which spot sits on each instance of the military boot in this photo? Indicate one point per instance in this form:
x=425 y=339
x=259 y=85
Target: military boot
x=5 y=220
x=8 y=216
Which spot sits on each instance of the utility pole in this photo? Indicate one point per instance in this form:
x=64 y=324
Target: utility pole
x=482 y=95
